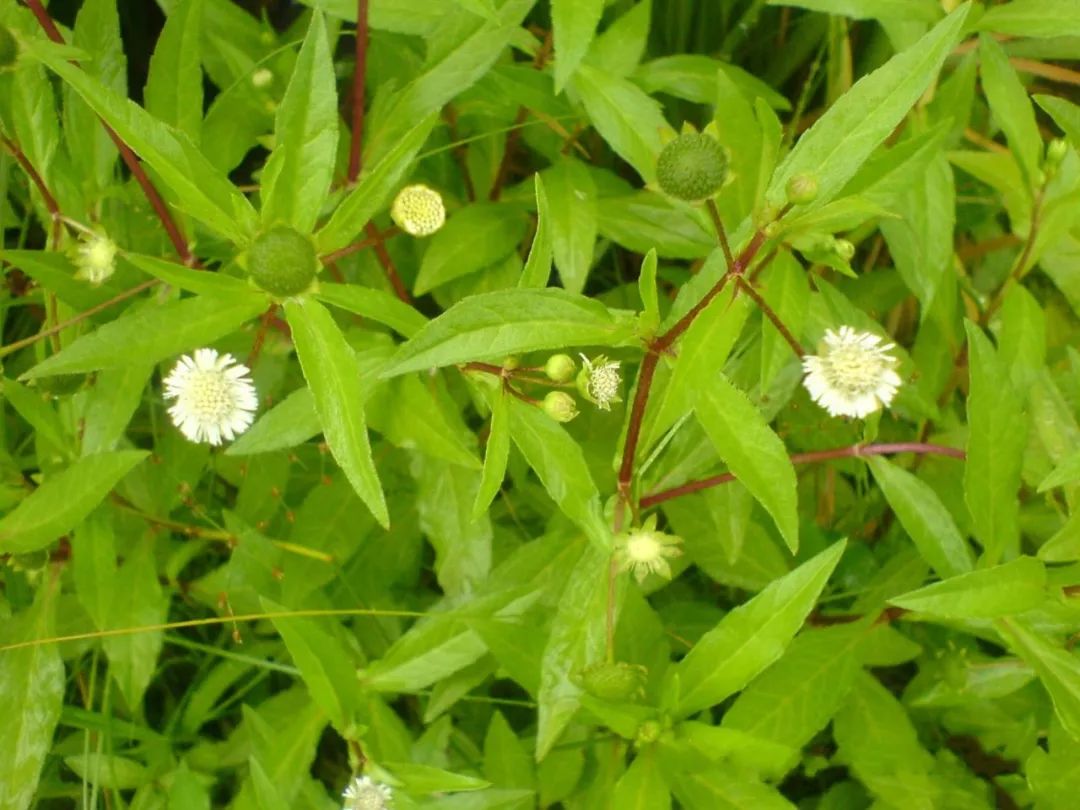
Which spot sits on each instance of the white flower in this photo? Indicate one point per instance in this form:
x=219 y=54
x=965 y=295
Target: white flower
x=418 y=210
x=214 y=396
x=646 y=551
x=599 y=381
x=364 y=793
x=854 y=375
x=95 y=258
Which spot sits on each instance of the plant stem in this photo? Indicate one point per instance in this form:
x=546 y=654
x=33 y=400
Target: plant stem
x=82 y=316
x=853 y=451
x=377 y=242
x=152 y=195
x=359 y=77
x=769 y=313
x=721 y=234
x=50 y=201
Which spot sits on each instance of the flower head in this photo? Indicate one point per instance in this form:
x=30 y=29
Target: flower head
x=364 y=793
x=693 y=166
x=854 y=375
x=560 y=406
x=646 y=551
x=214 y=396
x=418 y=210
x=95 y=258
x=599 y=381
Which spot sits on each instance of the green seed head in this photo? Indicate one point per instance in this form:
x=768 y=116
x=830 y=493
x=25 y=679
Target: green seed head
x=617 y=681
x=283 y=261
x=692 y=167
x=1056 y=151
x=9 y=48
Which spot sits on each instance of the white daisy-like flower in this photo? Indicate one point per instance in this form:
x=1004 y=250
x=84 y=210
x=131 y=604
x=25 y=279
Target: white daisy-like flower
x=599 y=381
x=418 y=210
x=95 y=258
x=646 y=551
x=854 y=375
x=215 y=398
x=364 y=793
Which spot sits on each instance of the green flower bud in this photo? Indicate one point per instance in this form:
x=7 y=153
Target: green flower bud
x=9 y=48
x=692 y=167
x=560 y=406
x=802 y=188
x=1056 y=151
x=844 y=249
x=283 y=261
x=618 y=681
x=560 y=368
x=648 y=732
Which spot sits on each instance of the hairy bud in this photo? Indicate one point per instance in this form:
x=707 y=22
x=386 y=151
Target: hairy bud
x=283 y=261
x=560 y=406
x=802 y=188
x=616 y=681
x=560 y=368
x=692 y=167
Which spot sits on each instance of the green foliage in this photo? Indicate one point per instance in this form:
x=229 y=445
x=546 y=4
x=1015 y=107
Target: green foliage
x=766 y=497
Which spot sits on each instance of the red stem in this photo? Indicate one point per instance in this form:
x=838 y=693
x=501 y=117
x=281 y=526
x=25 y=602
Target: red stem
x=50 y=201
x=854 y=451
x=377 y=242
x=137 y=171
x=359 y=77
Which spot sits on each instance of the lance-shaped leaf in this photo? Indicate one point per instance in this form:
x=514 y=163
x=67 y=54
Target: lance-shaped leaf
x=752 y=636
x=330 y=368
x=174 y=88
x=1058 y=669
x=496 y=324
x=1013 y=587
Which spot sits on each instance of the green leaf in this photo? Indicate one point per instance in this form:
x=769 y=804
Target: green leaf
x=1058 y=669
x=291 y=422
x=420 y=778
x=137 y=601
x=63 y=500
x=159 y=332
x=752 y=451
x=201 y=189
x=496 y=454
x=845 y=136
x=904 y=10
x=325 y=665
x=723 y=788
x=505 y=762
x=496 y=324
x=38 y=412
x=419 y=419
x=1013 y=587
x=187 y=278
x=1011 y=106
x=571 y=196
x=628 y=119
x=642 y=787
x=477 y=236
x=1065 y=114
x=650 y=301
x=574 y=23
x=560 y=464
x=752 y=636
x=1067 y=472
x=94 y=565
x=379 y=306
x=296 y=178
x=331 y=370
x=576 y=640
x=174 y=86
x=924 y=518
x=797 y=696
x=375 y=186
x=31 y=696
x=537 y=269
x=1033 y=18
x=997 y=436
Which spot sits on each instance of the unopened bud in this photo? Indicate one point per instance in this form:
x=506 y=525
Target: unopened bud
x=844 y=249
x=560 y=368
x=1056 y=151
x=802 y=188
x=560 y=406
x=616 y=681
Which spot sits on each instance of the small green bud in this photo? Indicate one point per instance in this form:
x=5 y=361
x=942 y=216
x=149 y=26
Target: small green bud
x=844 y=249
x=560 y=406
x=802 y=188
x=283 y=261
x=9 y=48
x=692 y=167
x=772 y=229
x=1056 y=151
x=617 y=681
x=560 y=368
x=648 y=732
x=512 y=362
